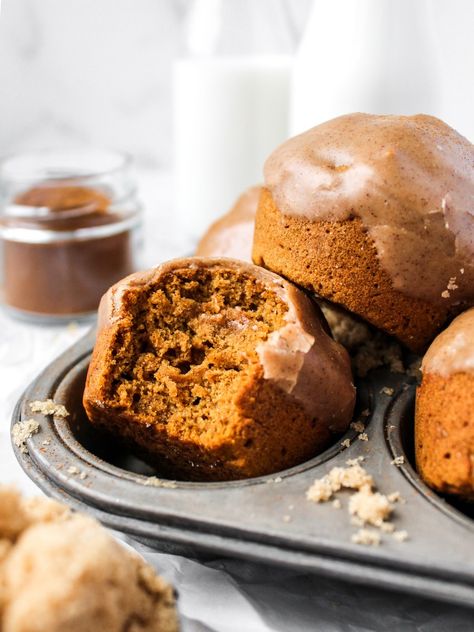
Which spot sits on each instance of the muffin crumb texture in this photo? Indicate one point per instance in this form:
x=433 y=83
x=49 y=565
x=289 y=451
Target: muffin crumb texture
x=61 y=572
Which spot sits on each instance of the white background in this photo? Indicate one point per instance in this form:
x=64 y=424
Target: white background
x=99 y=71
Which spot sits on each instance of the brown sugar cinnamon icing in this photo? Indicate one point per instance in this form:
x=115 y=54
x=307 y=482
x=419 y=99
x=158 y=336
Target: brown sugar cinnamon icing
x=453 y=350
x=410 y=181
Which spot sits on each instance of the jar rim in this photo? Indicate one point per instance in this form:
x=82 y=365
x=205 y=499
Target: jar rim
x=59 y=165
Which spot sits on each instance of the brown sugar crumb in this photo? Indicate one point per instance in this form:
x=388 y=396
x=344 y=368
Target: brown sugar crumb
x=452 y=284
x=395 y=497
x=445 y=294
x=400 y=536
x=72 y=469
x=61 y=571
x=49 y=407
x=358 y=426
x=363 y=436
x=352 y=477
x=369 y=507
x=387 y=527
x=398 y=460
x=346 y=443
x=356 y=461
x=386 y=390
x=366 y=506
x=154 y=481
x=367 y=537
x=22 y=431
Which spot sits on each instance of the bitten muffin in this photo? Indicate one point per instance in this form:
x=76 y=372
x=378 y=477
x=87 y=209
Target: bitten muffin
x=444 y=420
x=232 y=234
x=376 y=214
x=62 y=572
x=215 y=369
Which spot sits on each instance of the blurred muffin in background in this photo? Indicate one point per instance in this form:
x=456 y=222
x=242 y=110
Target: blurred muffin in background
x=232 y=234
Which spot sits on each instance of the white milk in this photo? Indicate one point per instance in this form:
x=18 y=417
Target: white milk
x=376 y=56
x=229 y=114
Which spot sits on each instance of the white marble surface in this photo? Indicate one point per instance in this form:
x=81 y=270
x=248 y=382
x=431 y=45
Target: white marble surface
x=222 y=595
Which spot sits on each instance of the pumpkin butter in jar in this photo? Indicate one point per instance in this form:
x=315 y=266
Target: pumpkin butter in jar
x=69 y=225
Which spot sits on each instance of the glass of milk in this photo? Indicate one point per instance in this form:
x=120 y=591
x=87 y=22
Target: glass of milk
x=231 y=104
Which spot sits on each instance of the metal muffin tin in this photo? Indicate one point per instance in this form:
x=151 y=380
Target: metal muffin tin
x=264 y=519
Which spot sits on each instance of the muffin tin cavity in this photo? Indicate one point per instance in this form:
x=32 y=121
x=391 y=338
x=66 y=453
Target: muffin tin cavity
x=266 y=519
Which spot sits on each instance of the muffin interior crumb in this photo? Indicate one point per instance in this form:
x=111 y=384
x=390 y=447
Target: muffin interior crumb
x=188 y=344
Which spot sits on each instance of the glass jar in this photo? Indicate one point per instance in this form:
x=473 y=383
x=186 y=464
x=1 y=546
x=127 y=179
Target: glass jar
x=69 y=225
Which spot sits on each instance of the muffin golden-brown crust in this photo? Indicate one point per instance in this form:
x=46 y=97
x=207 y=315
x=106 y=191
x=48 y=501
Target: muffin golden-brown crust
x=215 y=369
x=338 y=261
x=444 y=433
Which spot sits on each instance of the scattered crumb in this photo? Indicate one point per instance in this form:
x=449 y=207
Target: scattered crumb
x=452 y=284
x=72 y=469
x=287 y=518
x=72 y=327
x=358 y=426
x=355 y=461
x=277 y=479
x=398 y=460
x=22 y=431
x=400 y=536
x=352 y=477
x=414 y=369
x=290 y=507
x=83 y=475
x=386 y=390
x=445 y=294
x=461 y=270
x=367 y=537
x=365 y=413
x=363 y=436
x=346 y=443
x=366 y=506
x=48 y=407
x=46 y=442
x=370 y=507
x=154 y=481
x=395 y=497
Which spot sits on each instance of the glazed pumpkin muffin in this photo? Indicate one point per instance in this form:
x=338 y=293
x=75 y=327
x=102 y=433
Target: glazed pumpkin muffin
x=232 y=234
x=444 y=420
x=376 y=214
x=215 y=369
x=63 y=572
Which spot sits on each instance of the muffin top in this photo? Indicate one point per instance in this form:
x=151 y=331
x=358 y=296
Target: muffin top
x=409 y=179
x=453 y=350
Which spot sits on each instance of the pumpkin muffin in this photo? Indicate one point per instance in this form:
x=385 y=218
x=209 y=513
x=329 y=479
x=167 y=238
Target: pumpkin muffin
x=214 y=369
x=62 y=572
x=376 y=214
x=444 y=420
x=232 y=234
